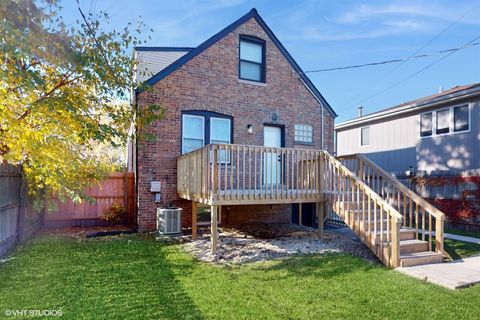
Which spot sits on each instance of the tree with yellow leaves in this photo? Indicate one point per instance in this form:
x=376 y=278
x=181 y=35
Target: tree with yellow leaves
x=63 y=91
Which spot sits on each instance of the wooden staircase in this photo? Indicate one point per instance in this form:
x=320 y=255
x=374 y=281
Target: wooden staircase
x=393 y=221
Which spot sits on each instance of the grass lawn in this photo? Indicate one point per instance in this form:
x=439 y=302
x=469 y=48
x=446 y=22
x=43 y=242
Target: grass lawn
x=459 y=249
x=135 y=277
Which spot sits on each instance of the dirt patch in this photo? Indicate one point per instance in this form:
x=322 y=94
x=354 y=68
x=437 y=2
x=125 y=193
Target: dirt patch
x=272 y=241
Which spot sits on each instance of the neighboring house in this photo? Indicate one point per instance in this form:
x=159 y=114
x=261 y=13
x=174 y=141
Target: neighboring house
x=240 y=86
x=435 y=133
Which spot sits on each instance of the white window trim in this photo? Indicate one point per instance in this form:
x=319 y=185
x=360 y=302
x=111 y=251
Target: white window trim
x=183 y=128
x=452 y=124
x=360 y=137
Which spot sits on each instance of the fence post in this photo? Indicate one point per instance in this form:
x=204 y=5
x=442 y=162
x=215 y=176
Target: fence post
x=439 y=224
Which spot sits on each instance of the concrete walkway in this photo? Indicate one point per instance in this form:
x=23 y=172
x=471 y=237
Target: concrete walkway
x=460 y=238
x=453 y=275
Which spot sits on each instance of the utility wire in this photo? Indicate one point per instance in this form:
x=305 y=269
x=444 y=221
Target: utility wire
x=375 y=83
x=393 y=60
x=418 y=72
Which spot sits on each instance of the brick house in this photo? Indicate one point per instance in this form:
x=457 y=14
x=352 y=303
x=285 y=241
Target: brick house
x=238 y=87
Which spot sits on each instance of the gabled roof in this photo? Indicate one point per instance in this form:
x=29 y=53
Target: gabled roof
x=222 y=33
x=452 y=94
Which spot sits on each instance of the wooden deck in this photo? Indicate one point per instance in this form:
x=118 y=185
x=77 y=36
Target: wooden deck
x=239 y=174
x=226 y=174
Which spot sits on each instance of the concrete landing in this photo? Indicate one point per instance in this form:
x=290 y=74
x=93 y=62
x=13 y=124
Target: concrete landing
x=453 y=275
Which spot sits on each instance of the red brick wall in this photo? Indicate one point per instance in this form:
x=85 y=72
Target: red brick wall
x=210 y=82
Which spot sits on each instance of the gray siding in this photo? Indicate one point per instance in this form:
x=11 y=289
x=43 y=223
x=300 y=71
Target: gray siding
x=152 y=62
x=396 y=144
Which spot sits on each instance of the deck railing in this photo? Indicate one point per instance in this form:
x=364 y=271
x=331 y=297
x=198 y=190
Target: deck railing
x=375 y=221
x=240 y=174
x=417 y=213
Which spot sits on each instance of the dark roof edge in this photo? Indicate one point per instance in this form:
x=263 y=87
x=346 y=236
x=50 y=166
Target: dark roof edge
x=448 y=98
x=163 y=48
x=222 y=33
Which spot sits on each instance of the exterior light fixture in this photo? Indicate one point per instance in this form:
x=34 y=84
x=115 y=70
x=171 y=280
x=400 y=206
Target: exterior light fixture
x=249 y=128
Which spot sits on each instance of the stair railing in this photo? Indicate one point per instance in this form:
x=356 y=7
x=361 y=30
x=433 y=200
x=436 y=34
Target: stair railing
x=417 y=213
x=372 y=218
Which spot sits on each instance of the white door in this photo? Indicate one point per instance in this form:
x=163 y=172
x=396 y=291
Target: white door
x=272 y=137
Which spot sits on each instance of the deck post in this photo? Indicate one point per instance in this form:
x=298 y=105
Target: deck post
x=194 y=220
x=320 y=208
x=300 y=214
x=214 y=228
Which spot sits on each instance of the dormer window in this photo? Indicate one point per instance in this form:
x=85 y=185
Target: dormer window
x=252 y=59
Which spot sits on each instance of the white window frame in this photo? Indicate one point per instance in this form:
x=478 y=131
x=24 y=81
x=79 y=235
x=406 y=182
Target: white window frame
x=183 y=129
x=469 y=105
x=451 y=121
x=360 y=136
x=295 y=133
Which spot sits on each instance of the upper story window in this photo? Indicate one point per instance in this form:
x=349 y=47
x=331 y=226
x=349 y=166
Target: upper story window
x=252 y=59
x=365 y=136
x=454 y=119
x=426 y=124
x=461 y=118
x=200 y=128
x=443 y=121
x=304 y=133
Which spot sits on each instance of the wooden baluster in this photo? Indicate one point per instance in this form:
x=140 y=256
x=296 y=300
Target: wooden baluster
x=237 y=189
x=416 y=221
x=369 y=217
x=423 y=224
x=244 y=172
x=287 y=173
x=410 y=218
x=389 y=242
x=375 y=220
x=382 y=254
x=404 y=210
x=214 y=171
x=249 y=172
x=429 y=231
x=255 y=173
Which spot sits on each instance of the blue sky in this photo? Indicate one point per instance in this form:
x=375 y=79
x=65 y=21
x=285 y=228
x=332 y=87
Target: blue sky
x=324 y=34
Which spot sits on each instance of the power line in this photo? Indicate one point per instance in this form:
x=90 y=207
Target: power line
x=418 y=72
x=373 y=84
x=391 y=61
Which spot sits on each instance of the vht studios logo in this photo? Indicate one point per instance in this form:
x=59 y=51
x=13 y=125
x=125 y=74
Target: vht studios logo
x=33 y=313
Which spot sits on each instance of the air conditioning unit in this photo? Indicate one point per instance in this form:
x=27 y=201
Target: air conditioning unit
x=169 y=220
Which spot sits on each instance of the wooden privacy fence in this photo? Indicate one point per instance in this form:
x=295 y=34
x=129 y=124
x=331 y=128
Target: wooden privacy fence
x=17 y=219
x=118 y=188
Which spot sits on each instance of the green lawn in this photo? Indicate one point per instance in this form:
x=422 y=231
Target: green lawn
x=135 y=277
x=459 y=249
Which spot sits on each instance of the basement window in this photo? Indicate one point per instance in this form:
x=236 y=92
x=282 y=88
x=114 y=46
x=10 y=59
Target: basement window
x=252 y=59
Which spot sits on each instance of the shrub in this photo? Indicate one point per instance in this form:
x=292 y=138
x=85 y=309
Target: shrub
x=116 y=214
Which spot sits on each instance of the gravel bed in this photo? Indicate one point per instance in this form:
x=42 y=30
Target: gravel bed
x=240 y=246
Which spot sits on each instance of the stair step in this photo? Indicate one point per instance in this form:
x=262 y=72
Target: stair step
x=419 y=258
x=413 y=245
x=405 y=234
